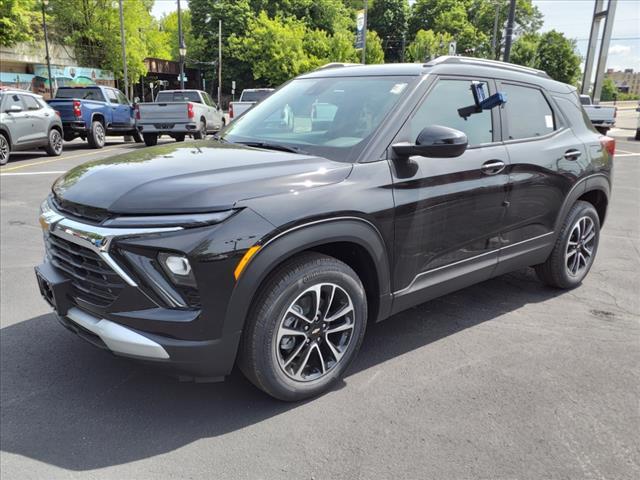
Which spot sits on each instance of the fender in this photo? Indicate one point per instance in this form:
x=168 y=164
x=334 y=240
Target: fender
x=299 y=238
x=8 y=135
x=598 y=181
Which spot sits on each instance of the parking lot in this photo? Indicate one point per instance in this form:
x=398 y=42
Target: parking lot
x=506 y=379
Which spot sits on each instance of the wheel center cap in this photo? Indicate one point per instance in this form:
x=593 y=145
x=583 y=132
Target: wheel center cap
x=315 y=331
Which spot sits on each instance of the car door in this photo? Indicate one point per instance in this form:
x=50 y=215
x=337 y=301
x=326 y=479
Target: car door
x=213 y=115
x=38 y=116
x=18 y=122
x=449 y=211
x=125 y=111
x=546 y=160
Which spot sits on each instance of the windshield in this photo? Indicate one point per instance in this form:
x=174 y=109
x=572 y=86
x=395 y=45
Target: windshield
x=330 y=117
x=178 y=97
x=254 y=95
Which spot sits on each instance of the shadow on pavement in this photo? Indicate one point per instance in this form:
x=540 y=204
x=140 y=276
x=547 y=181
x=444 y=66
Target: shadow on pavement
x=68 y=404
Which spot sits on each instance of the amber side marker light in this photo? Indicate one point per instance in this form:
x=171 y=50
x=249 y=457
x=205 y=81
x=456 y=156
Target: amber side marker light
x=245 y=260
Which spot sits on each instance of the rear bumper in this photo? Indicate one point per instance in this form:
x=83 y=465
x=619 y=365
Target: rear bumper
x=168 y=128
x=78 y=127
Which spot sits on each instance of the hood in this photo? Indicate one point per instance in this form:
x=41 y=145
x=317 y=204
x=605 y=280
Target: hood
x=193 y=177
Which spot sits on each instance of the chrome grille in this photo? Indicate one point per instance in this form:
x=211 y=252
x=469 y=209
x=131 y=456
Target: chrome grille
x=92 y=279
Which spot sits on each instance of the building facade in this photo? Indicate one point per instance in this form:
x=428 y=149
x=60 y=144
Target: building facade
x=627 y=81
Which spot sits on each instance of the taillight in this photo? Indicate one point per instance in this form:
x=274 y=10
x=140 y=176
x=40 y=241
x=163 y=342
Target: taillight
x=137 y=112
x=190 y=112
x=609 y=144
x=77 y=111
x=231 y=110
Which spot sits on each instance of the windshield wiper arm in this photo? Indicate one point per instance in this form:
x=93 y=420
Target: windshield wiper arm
x=273 y=146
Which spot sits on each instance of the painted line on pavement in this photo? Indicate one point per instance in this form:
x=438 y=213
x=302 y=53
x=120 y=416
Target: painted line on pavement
x=53 y=172
x=94 y=152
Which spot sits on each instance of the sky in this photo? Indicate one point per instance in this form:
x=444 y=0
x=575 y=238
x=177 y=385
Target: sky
x=571 y=17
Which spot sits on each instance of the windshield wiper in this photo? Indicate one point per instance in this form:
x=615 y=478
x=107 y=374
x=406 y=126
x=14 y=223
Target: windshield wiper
x=272 y=146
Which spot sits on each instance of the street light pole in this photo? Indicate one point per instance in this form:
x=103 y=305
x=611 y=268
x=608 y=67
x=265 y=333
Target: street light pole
x=509 y=35
x=364 y=33
x=219 y=61
x=124 y=52
x=181 y=47
x=52 y=91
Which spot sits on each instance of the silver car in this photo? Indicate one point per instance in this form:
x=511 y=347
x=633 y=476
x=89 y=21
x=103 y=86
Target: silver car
x=27 y=122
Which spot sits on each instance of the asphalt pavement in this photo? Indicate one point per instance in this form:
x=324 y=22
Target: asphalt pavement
x=508 y=379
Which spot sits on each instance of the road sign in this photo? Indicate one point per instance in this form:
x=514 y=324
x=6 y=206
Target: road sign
x=452 y=48
x=233 y=84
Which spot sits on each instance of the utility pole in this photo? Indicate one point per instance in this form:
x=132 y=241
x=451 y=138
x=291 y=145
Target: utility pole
x=181 y=47
x=124 y=52
x=52 y=90
x=219 y=61
x=494 y=39
x=364 y=33
x=509 y=35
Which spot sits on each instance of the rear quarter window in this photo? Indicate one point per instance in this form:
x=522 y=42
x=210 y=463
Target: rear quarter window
x=572 y=109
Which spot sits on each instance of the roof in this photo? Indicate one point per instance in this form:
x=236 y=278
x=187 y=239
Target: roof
x=445 y=65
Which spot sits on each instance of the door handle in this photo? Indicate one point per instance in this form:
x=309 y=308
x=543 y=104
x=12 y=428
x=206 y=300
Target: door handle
x=492 y=167
x=572 y=154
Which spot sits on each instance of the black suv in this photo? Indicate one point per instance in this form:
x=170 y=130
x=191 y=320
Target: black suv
x=348 y=195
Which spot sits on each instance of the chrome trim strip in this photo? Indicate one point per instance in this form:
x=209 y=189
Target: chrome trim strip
x=497 y=250
x=117 y=338
x=93 y=237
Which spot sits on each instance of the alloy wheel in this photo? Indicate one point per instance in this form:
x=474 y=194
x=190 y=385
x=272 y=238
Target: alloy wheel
x=56 y=141
x=315 y=332
x=4 y=150
x=580 y=247
x=100 y=134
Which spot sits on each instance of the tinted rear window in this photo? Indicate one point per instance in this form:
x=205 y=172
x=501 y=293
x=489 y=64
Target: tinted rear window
x=254 y=96
x=528 y=112
x=178 y=97
x=82 y=93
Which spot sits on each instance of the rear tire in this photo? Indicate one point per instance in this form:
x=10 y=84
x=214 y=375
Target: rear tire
x=638 y=134
x=97 y=135
x=150 y=139
x=201 y=133
x=54 y=147
x=137 y=137
x=575 y=249
x=326 y=335
x=5 y=149
x=602 y=130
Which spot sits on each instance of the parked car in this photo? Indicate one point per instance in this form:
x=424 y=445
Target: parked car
x=248 y=98
x=178 y=113
x=278 y=243
x=94 y=113
x=603 y=117
x=26 y=123
x=638 y=124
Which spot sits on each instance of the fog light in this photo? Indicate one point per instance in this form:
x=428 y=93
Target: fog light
x=178 y=265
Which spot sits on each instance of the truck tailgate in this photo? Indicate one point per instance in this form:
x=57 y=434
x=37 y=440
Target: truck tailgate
x=600 y=113
x=163 y=112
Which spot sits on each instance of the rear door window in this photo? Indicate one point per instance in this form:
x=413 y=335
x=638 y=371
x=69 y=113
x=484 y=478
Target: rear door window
x=10 y=100
x=112 y=96
x=528 y=113
x=30 y=102
x=441 y=108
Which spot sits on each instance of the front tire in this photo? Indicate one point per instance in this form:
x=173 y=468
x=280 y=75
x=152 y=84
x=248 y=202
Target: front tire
x=5 y=149
x=150 y=139
x=575 y=249
x=179 y=137
x=97 y=135
x=54 y=147
x=305 y=327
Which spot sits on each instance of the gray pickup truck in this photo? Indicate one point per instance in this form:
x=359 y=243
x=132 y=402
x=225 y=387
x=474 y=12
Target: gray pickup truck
x=603 y=117
x=248 y=98
x=178 y=113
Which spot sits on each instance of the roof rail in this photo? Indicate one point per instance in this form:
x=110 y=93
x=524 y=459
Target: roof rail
x=336 y=65
x=450 y=59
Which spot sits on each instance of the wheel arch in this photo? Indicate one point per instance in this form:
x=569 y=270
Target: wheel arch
x=100 y=117
x=595 y=189
x=355 y=241
x=5 y=132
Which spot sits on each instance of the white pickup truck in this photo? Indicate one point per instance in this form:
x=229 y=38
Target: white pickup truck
x=603 y=117
x=248 y=98
x=178 y=113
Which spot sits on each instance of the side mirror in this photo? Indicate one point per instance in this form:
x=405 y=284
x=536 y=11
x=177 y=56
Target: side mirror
x=14 y=109
x=434 y=141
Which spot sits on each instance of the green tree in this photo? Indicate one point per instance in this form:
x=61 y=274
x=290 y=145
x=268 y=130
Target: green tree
x=19 y=21
x=329 y=15
x=428 y=45
x=525 y=50
x=169 y=29
x=609 y=90
x=557 y=56
x=374 y=52
x=388 y=18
